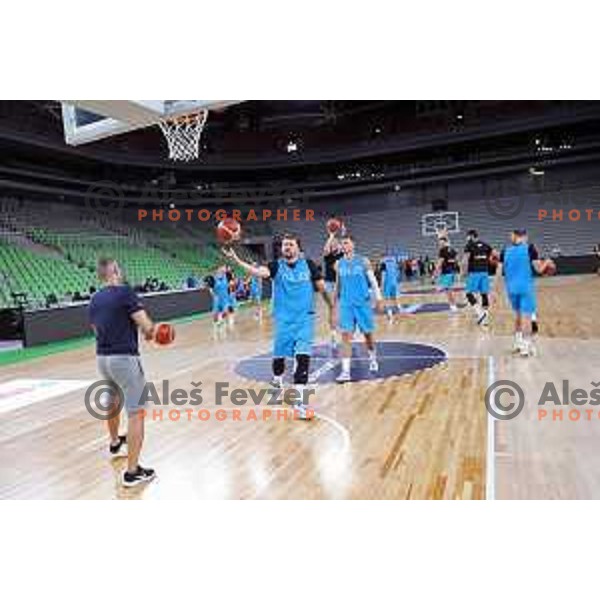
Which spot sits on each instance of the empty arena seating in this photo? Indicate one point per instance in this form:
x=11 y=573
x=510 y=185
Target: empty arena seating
x=50 y=250
x=24 y=271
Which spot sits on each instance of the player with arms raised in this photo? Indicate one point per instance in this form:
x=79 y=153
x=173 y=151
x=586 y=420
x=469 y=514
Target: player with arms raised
x=332 y=252
x=295 y=281
x=355 y=279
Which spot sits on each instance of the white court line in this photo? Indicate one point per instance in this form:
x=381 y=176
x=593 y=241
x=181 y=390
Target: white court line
x=412 y=309
x=101 y=441
x=20 y=393
x=330 y=364
x=324 y=368
x=337 y=425
x=490 y=461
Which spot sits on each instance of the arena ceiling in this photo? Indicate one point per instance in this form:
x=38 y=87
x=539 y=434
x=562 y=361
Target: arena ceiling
x=262 y=149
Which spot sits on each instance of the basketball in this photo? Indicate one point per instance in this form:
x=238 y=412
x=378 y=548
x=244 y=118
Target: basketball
x=164 y=334
x=228 y=230
x=334 y=225
x=548 y=268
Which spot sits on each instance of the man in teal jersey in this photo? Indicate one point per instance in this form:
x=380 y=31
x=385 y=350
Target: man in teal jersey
x=256 y=294
x=219 y=288
x=389 y=283
x=518 y=262
x=295 y=281
x=354 y=280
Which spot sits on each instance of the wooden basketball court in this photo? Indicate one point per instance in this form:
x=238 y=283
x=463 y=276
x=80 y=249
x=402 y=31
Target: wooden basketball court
x=426 y=435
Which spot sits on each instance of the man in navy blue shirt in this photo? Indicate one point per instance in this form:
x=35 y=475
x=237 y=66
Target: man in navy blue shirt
x=116 y=314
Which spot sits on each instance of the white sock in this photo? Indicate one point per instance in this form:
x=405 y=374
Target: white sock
x=372 y=354
x=519 y=337
x=346 y=365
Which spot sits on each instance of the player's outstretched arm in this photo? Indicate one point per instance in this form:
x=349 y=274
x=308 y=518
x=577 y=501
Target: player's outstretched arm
x=260 y=271
x=538 y=265
x=328 y=244
x=144 y=323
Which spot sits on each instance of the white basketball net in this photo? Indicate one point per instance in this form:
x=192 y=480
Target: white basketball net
x=183 y=135
x=434 y=224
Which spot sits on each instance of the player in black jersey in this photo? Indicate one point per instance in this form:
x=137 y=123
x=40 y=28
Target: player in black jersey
x=446 y=270
x=478 y=280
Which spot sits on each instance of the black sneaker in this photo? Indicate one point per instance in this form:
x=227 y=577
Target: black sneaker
x=117 y=448
x=140 y=476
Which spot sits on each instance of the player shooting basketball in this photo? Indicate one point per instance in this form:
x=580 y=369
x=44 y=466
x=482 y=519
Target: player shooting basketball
x=355 y=278
x=295 y=280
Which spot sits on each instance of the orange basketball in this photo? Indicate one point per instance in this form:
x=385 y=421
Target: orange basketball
x=548 y=267
x=334 y=225
x=228 y=230
x=164 y=334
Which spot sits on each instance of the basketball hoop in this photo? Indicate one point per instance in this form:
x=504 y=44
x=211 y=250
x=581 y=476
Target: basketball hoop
x=183 y=135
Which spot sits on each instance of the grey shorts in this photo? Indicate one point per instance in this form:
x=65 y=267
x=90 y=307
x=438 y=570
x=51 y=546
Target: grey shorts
x=126 y=372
